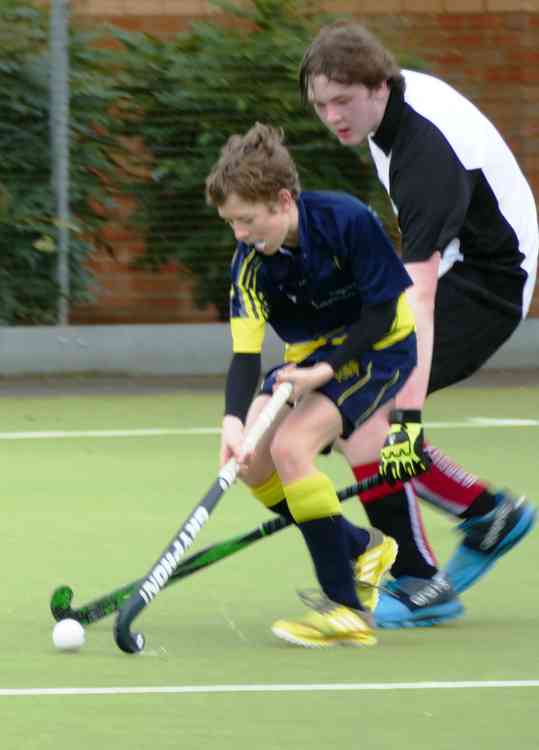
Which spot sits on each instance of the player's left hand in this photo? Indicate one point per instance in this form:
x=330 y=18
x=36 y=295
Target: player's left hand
x=403 y=455
x=304 y=379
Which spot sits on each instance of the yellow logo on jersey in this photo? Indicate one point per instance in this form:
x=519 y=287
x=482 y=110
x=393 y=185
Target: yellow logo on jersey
x=349 y=370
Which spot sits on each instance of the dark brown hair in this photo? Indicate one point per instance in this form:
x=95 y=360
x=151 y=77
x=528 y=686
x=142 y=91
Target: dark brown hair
x=254 y=166
x=348 y=54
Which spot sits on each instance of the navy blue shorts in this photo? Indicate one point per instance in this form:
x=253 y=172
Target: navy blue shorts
x=364 y=384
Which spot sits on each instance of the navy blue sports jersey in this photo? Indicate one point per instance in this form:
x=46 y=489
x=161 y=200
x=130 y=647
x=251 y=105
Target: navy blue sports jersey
x=313 y=293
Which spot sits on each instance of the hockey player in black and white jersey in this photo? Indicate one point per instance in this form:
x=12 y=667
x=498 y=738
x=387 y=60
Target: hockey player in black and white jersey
x=469 y=241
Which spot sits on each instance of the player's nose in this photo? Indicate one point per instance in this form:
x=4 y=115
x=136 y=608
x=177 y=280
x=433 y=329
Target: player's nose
x=240 y=233
x=333 y=115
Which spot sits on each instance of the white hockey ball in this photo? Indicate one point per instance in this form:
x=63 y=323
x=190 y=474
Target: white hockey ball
x=68 y=635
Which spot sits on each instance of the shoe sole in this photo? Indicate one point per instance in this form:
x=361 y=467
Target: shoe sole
x=296 y=641
x=383 y=565
x=483 y=562
x=425 y=618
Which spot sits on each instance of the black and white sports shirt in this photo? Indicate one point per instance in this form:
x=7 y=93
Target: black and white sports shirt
x=457 y=188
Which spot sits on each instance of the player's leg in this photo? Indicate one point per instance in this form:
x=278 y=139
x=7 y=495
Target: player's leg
x=261 y=476
x=395 y=511
x=291 y=486
x=337 y=615
x=362 y=450
x=260 y=467
x=468 y=331
x=357 y=392
x=266 y=485
x=420 y=595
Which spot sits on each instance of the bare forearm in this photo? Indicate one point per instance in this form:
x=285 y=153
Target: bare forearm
x=414 y=391
x=421 y=297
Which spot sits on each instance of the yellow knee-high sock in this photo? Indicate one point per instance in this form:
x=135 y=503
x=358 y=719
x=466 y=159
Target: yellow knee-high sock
x=312 y=497
x=315 y=507
x=270 y=492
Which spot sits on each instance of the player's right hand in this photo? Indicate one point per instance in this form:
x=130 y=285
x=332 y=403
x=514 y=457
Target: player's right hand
x=304 y=379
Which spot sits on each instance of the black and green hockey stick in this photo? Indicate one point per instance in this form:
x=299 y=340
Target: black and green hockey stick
x=170 y=558
x=108 y=604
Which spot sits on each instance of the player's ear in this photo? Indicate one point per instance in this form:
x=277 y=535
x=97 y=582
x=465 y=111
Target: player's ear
x=284 y=198
x=381 y=91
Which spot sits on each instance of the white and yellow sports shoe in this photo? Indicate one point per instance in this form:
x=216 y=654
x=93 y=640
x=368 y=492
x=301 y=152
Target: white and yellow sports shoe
x=371 y=566
x=329 y=624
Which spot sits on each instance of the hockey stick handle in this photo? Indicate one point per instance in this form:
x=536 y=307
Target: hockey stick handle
x=108 y=604
x=159 y=574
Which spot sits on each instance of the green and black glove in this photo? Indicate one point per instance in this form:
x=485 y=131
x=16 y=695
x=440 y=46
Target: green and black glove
x=403 y=455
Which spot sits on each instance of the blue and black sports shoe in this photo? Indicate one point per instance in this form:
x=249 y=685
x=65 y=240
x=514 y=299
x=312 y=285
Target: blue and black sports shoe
x=409 y=602
x=487 y=538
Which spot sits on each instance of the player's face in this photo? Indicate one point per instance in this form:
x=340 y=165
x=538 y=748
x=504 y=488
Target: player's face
x=265 y=226
x=350 y=112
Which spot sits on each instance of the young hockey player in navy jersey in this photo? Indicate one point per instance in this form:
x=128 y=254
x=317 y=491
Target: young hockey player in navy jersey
x=319 y=268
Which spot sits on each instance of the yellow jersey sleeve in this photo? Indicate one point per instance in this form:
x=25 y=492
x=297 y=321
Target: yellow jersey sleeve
x=247 y=335
x=248 y=310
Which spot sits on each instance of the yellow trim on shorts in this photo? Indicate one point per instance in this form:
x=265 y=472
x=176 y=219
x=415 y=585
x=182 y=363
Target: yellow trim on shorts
x=372 y=408
x=356 y=387
x=312 y=497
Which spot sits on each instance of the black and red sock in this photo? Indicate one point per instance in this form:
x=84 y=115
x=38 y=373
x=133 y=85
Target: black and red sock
x=394 y=510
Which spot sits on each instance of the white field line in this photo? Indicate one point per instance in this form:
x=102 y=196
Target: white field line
x=144 y=432
x=290 y=688
x=471 y=422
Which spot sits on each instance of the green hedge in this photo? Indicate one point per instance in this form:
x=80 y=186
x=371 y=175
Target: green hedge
x=188 y=95
x=181 y=99
x=28 y=287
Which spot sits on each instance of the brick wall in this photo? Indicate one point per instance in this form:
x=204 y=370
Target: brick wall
x=488 y=49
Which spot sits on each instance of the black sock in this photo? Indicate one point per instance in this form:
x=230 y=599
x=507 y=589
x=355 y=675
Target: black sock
x=327 y=541
x=391 y=515
x=283 y=510
x=358 y=538
x=483 y=504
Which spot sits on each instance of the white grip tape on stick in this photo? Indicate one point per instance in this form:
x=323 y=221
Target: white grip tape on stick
x=266 y=417
x=263 y=422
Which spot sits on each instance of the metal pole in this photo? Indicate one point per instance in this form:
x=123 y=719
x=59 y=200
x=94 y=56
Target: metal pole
x=59 y=136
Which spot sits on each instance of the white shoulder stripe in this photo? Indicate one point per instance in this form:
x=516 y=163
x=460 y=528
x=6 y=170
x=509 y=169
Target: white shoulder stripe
x=478 y=145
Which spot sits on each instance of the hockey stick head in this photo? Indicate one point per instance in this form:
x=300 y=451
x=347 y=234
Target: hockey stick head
x=60 y=604
x=130 y=643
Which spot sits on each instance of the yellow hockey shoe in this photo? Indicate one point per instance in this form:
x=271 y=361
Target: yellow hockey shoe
x=329 y=624
x=371 y=567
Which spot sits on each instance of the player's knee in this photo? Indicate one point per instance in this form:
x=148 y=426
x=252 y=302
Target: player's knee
x=288 y=454
x=255 y=475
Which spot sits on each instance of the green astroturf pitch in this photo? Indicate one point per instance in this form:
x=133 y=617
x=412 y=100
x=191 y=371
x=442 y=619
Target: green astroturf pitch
x=94 y=486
